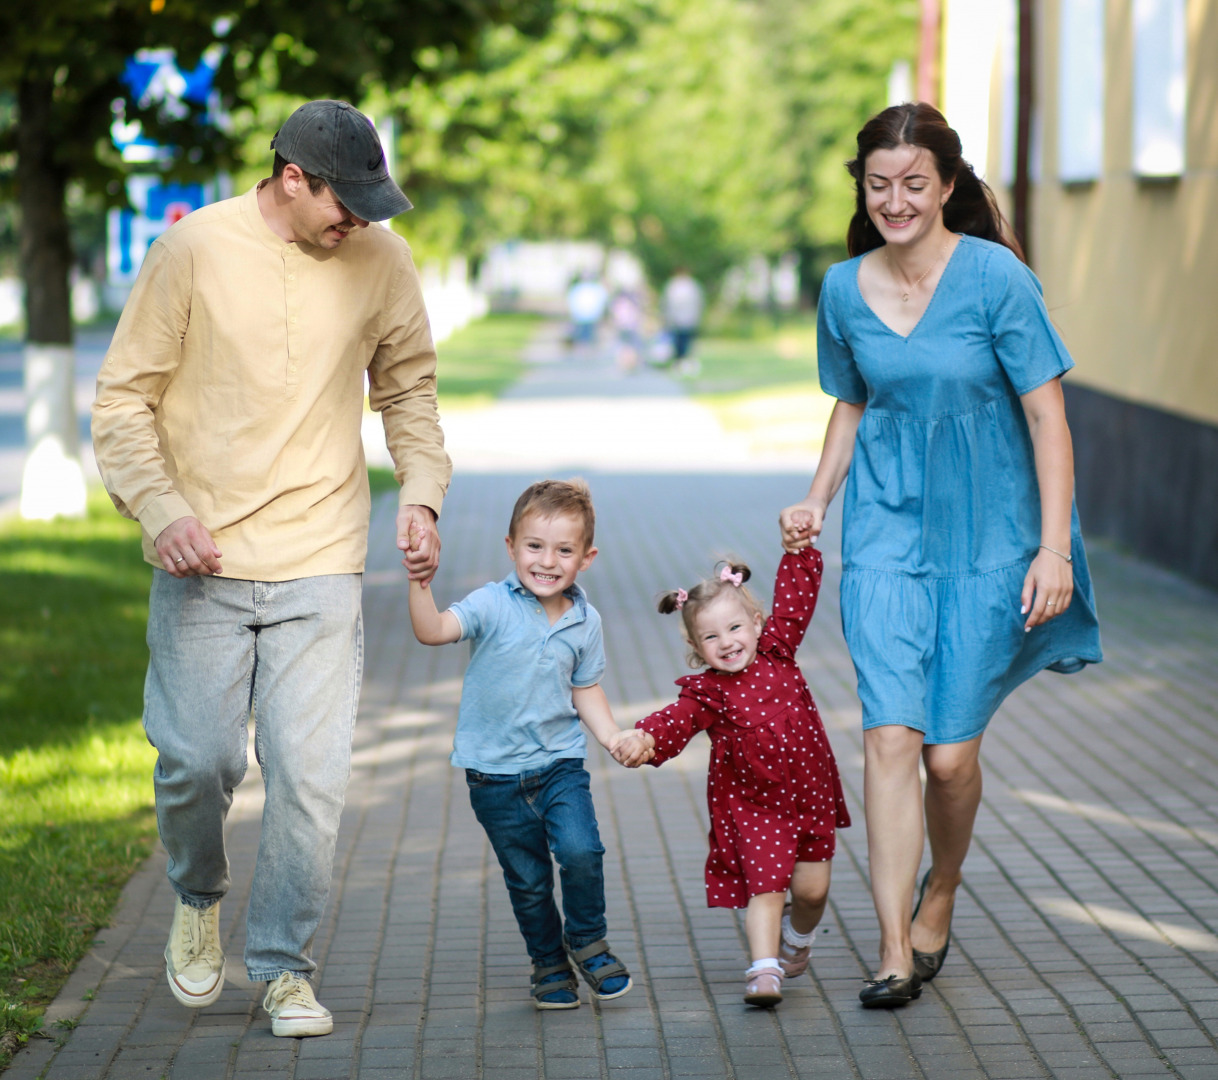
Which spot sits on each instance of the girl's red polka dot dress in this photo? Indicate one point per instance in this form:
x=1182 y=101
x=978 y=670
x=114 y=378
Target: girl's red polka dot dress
x=774 y=791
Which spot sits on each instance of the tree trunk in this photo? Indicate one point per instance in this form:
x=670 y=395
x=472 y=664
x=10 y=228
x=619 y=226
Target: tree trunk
x=52 y=482
x=46 y=249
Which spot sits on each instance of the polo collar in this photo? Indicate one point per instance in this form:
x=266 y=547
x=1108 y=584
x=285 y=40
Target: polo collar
x=575 y=593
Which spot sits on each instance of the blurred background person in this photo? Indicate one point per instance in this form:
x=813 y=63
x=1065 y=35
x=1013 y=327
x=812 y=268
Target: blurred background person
x=681 y=308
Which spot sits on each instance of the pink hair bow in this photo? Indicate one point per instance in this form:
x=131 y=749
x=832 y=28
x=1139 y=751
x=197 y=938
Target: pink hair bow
x=726 y=575
x=682 y=596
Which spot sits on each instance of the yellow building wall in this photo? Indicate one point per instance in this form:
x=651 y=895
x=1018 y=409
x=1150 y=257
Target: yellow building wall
x=1130 y=267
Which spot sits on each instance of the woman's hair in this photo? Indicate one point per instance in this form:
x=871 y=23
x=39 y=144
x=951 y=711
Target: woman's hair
x=690 y=603
x=971 y=209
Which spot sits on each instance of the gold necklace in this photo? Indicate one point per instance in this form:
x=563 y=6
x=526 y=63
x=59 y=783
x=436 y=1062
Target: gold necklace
x=892 y=272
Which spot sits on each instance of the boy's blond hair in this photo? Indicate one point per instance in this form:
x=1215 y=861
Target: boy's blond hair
x=551 y=498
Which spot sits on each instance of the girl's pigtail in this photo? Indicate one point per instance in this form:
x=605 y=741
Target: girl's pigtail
x=671 y=601
x=735 y=573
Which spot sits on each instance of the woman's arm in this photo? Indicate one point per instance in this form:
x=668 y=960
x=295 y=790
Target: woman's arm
x=1049 y=584
x=801 y=524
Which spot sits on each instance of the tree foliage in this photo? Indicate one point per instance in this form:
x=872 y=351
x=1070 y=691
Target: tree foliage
x=693 y=131
x=62 y=65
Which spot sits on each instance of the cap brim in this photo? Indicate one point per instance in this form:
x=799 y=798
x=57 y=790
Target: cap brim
x=377 y=201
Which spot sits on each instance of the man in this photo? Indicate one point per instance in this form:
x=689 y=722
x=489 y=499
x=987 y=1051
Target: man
x=227 y=422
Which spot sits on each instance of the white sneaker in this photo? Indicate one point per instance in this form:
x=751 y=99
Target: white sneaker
x=293 y=1008
x=194 y=961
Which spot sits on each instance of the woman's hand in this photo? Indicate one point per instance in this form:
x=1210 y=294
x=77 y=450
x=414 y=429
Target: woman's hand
x=1047 y=588
x=801 y=524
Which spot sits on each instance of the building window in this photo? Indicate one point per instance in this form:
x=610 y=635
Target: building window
x=1080 y=103
x=1159 y=80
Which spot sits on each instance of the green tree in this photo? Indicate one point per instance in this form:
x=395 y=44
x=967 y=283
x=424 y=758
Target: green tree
x=62 y=64
x=692 y=131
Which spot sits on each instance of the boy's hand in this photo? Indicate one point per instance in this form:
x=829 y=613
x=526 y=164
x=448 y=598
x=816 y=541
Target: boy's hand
x=632 y=748
x=419 y=542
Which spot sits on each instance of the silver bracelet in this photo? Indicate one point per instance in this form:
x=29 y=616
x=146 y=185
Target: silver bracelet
x=1068 y=558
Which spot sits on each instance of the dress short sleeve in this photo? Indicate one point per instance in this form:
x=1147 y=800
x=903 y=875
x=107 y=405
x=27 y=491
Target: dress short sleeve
x=839 y=375
x=1026 y=343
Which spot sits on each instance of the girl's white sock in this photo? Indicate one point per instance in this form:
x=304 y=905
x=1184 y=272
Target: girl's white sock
x=794 y=939
x=759 y=965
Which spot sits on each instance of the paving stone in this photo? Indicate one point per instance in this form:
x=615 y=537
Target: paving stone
x=1091 y=784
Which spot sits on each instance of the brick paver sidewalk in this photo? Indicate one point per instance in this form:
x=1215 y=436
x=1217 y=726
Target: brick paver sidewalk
x=1085 y=938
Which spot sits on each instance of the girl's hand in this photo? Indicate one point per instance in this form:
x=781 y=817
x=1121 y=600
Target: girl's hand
x=632 y=748
x=800 y=525
x=1047 y=589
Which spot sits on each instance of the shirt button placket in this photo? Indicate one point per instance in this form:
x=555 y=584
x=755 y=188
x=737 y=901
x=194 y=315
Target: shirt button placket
x=292 y=306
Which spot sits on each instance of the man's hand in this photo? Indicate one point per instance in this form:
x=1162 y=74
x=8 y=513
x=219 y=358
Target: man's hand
x=419 y=542
x=186 y=549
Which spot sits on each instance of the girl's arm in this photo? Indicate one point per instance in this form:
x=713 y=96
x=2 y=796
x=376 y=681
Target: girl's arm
x=796 y=587
x=672 y=727
x=1049 y=584
x=801 y=524
x=431 y=626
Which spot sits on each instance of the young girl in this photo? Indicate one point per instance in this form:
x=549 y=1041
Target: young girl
x=775 y=797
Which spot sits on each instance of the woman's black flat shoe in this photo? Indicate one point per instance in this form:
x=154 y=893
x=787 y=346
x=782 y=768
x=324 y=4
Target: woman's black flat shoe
x=890 y=992
x=927 y=964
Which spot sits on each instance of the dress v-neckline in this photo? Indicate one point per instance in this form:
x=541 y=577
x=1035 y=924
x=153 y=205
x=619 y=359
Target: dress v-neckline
x=929 y=303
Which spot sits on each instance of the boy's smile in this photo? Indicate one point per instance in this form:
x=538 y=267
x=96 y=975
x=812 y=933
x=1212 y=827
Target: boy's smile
x=549 y=552
x=726 y=633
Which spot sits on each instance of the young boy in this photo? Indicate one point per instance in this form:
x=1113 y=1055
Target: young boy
x=534 y=670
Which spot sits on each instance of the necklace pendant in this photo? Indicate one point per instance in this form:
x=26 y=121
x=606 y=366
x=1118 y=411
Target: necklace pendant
x=905 y=297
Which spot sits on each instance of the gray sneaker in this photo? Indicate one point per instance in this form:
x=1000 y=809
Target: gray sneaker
x=194 y=960
x=293 y=1008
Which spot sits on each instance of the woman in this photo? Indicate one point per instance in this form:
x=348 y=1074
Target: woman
x=963 y=569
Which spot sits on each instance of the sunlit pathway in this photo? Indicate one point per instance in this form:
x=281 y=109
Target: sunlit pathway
x=1085 y=941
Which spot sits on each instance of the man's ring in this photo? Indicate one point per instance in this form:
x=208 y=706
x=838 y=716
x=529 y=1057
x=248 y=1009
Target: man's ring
x=179 y=559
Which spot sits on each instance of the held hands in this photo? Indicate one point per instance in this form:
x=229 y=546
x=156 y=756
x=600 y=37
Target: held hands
x=800 y=525
x=419 y=540
x=632 y=748
x=186 y=549
x=1047 y=589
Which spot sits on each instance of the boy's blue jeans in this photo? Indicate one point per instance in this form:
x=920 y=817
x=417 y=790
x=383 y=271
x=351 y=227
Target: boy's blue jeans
x=528 y=816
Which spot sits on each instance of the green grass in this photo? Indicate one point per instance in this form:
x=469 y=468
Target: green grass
x=764 y=386
x=733 y=365
x=76 y=798
x=482 y=360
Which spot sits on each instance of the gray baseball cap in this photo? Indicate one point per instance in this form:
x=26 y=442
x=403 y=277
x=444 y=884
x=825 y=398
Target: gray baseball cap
x=337 y=142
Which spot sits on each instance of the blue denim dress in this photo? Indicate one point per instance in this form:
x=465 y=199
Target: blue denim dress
x=941 y=517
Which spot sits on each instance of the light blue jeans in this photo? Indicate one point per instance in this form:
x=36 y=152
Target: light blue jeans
x=290 y=652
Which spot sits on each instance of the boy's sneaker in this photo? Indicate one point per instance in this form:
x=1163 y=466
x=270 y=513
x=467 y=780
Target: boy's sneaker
x=602 y=971
x=293 y=1008
x=194 y=960
x=555 y=988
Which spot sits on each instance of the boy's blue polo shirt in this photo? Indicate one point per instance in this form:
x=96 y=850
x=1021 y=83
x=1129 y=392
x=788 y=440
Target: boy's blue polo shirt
x=516 y=711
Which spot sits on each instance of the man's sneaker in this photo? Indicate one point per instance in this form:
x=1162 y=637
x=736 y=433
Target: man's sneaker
x=194 y=961
x=293 y=1008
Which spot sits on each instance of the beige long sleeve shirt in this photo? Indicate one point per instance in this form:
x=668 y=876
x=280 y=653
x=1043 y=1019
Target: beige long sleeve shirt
x=233 y=391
